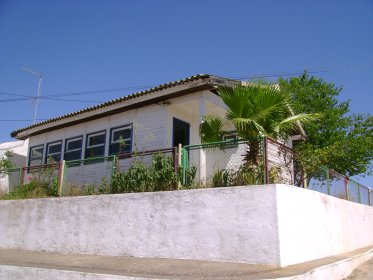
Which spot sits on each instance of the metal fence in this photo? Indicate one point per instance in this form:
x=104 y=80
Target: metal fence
x=221 y=163
x=125 y=160
x=218 y=164
x=88 y=174
x=228 y=163
x=95 y=174
x=280 y=164
x=83 y=176
x=41 y=173
x=332 y=183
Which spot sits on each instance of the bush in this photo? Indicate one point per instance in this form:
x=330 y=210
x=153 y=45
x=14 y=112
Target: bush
x=34 y=189
x=163 y=173
x=136 y=179
x=241 y=177
x=159 y=176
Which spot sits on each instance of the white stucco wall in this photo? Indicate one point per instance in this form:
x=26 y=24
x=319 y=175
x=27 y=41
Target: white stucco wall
x=313 y=225
x=273 y=224
x=227 y=224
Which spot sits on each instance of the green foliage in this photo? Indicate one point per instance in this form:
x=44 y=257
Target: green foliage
x=34 y=189
x=105 y=187
x=190 y=175
x=159 y=176
x=42 y=184
x=52 y=188
x=211 y=129
x=243 y=176
x=163 y=176
x=89 y=189
x=259 y=110
x=220 y=179
x=6 y=163
x=136 y=179
x=262 y=110
x=340 y=140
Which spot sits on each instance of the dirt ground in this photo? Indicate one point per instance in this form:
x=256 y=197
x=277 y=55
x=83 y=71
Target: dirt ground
x=363 y=272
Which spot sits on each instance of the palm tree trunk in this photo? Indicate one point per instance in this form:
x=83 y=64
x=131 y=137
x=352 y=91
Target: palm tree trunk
x=252 y=154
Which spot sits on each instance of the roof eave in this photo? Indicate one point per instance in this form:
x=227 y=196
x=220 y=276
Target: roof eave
x=164 y=92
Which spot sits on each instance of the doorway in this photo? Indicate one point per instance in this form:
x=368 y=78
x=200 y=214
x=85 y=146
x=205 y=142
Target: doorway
x=180 y=132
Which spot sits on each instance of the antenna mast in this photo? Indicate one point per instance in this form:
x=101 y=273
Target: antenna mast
x=40 y=76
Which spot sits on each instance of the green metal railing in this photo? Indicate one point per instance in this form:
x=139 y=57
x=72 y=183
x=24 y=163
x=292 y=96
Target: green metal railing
x=229 y=152
x=327 y=181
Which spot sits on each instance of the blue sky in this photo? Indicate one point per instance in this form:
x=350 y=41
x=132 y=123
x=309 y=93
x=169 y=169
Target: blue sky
x=93 y=45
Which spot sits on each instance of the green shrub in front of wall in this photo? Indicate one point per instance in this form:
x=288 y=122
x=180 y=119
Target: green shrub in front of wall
x=160 y=175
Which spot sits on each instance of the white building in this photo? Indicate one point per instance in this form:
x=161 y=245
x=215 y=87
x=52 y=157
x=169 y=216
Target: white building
x=161 y=117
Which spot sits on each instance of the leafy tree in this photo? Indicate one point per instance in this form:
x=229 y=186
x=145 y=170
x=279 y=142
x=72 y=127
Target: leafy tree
x=340 y=140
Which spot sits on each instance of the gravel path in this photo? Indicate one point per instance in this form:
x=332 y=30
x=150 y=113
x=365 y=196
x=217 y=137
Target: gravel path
x=363 y=272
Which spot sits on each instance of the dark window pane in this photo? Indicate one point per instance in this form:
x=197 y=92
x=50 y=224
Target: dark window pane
x=54 y=148
x=116 y=148
x=53 y=158
x=95 y=152
x=125 y=133
x=74 y=144
x=96 y=140
x=36 y=153
x=73 y=155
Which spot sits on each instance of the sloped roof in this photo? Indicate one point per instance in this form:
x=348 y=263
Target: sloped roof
x=216 y=80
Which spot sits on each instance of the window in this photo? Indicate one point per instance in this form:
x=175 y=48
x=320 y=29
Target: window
x=73 y=148
x=36 y=155
x=121 y=140
x=232 y=138
x=95 y=145
x=53 y=152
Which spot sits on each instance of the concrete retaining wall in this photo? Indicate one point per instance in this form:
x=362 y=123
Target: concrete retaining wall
x=273 y=224
x=313 y=225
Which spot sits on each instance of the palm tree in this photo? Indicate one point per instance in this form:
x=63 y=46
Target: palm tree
x=261 y=110
x=211 y=129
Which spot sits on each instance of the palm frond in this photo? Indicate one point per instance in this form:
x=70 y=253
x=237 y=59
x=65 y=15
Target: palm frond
x=211 y=129
x=260 y=109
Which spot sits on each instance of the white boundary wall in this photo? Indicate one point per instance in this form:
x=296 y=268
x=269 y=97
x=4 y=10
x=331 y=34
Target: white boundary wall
x=313 y=225
x=274 y=224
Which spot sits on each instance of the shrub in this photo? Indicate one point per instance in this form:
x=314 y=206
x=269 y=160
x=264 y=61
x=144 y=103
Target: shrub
x=159 y=176
x=190 y=175
x=243 y=176
x=34 y=189
x=163 y=173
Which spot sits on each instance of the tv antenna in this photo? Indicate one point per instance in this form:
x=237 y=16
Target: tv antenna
x=40 y=76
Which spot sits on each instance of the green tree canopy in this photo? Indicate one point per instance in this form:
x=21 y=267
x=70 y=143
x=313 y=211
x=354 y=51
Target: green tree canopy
x=340 y=140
